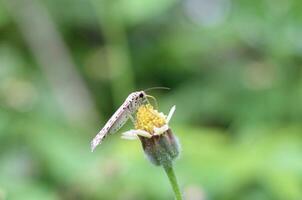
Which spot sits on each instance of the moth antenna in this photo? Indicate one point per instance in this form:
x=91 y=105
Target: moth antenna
x=154 y=99
x=156 y=88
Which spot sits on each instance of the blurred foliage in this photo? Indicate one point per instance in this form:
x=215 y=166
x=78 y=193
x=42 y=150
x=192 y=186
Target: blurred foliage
x=234 y=69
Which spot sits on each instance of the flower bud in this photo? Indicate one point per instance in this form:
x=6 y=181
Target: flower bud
x=161 y=149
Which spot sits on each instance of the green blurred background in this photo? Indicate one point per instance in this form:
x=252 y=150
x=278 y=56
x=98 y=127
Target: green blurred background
x=234 y=69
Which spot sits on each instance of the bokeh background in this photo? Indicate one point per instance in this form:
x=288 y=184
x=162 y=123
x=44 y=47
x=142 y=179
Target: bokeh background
x=234 y=69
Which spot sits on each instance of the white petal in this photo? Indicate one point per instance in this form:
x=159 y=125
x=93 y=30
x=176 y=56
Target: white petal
x=132 y=134
x=161 y=130
x=172 y=110
x=143 y=133
x=129 y=135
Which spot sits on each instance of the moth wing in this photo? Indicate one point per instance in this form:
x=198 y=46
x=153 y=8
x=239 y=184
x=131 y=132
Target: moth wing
x=117 y=120
x=98 y=139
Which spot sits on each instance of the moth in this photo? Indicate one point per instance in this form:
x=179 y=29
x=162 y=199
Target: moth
x=121 y=116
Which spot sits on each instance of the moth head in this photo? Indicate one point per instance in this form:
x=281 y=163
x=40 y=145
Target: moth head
x=142 y=94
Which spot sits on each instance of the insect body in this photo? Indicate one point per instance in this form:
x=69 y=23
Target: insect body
x=120 y=117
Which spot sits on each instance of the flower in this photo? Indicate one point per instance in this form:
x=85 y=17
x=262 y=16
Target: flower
x=159 y=143
x=149 y=122
x=151 y=127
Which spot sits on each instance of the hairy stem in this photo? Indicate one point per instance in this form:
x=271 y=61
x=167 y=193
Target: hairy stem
x=173 y=181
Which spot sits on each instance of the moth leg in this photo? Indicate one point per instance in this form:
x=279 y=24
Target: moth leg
x=131 y=117
x=146 y=101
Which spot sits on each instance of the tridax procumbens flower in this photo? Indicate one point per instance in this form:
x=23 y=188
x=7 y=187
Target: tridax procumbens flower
x=152 y=128
x=158 y=141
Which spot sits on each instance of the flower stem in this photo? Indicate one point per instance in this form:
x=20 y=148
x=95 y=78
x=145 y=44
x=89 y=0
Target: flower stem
x=173 y=181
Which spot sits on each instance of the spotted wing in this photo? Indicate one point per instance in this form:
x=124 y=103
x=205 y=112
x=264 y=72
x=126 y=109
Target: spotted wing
x=117 y=120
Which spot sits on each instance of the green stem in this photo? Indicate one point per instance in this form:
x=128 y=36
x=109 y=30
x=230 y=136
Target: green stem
x=173 y=181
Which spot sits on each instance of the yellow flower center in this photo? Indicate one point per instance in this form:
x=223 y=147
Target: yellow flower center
x=147 y=118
